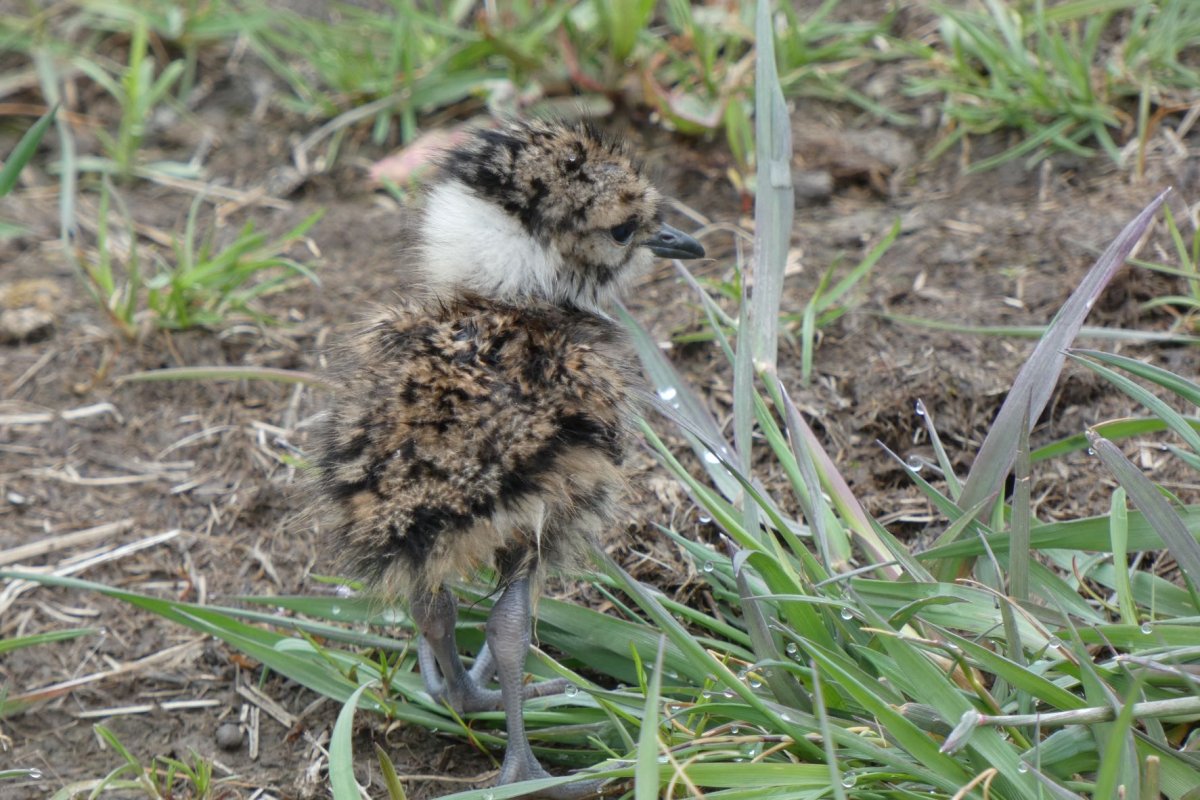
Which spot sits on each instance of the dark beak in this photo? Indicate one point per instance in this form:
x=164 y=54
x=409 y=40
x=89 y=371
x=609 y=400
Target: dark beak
x=672 y=243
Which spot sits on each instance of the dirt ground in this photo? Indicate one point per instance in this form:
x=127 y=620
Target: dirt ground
x=204 y=462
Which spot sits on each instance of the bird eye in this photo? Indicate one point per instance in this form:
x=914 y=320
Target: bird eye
x=624 y=232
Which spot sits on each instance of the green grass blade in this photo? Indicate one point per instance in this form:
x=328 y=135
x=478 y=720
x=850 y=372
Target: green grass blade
x=341 y=752
x=774 y=202
x=391 y=780
x=1174 y=420
x=33 y=640
x=1118 y=516
x=24 y=151
x=645 y=772
x=223 y=373
x=1158 y=511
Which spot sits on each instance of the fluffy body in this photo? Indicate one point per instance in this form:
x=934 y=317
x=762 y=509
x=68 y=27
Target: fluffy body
x=470 y=433
x=485 y=420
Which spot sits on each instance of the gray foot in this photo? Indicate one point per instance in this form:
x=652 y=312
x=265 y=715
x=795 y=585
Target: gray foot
x=465 y=691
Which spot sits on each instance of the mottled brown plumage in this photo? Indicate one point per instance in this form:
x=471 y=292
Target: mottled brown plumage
x=484 y=420
x=471 y=431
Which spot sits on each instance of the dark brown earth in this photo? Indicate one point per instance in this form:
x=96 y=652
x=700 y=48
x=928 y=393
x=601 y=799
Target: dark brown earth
x=208 y=460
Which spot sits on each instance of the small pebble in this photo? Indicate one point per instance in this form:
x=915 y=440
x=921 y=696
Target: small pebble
x=229 y=736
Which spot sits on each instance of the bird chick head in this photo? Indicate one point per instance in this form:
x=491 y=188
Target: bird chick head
x=543 y=210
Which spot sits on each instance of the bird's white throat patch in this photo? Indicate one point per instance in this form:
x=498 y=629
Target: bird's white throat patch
x=471 y=244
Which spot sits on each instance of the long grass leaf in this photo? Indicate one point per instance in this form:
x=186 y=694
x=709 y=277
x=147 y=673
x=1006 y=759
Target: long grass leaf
x=1158 y=511
x=24 y=151
x=342 y=783
x=645 y=773
x=1034 y=383
x=774 y=200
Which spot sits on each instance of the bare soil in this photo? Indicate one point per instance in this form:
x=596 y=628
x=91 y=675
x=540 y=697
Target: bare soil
x=209 y=460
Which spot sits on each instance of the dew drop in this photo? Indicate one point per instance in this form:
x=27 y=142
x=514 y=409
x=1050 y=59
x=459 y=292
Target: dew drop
x=1091 y=452
x=848 y=780
x=704 y=519
x=919 y=408
x=711 y=457
x=489 y=796
x=1054 y=642
x=728 y=694
x=335 y=610
x=668 y=393
x=755 y=684
x=1146 y=629
x=846 y=614
x=35 y=774
x=733 y=729
x=708 y=566
x=792 y=649
x=785 y=717
x=1022 y=766
x=915 y=463
x=571 y=690
x=663 y=759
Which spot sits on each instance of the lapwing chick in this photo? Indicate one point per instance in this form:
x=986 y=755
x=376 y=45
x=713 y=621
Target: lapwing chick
x=483 y=422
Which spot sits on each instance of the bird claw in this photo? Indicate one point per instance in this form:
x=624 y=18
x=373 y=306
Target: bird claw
x=468 y=694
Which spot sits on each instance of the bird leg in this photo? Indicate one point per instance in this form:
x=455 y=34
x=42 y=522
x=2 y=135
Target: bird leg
x=508 y=638
x=445 y=677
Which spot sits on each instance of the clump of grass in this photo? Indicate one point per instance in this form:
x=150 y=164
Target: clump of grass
x=692 y=64
x=206 y=284
x=162 y=779
x=137 y=90
x=1056 y=75
x=201 y=286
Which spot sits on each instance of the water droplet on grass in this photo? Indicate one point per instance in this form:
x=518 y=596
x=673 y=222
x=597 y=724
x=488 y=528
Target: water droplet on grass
x=708 y=566
x=848 y=780
x=846 y=614
x=919 y=407
x=668 y=393
x=571 y=690
x=1146 y=628
x=792 y=648
x=711 y=457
